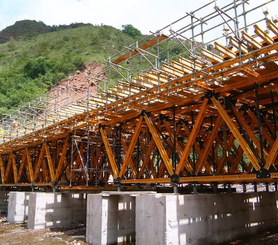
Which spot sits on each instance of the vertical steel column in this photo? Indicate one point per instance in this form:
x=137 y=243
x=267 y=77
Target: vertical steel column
x=274 y=114
x=87 y=166
x=71 y=155
x=119 y=134
x=236 y=20
x=259 y=125
x=193 y=147
x=174 y=155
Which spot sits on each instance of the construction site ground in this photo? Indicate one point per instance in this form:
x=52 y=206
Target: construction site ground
x=20 y=234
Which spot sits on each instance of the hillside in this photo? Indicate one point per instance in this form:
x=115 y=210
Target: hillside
x=32 y=64
x=25 y=28
x=22 y=28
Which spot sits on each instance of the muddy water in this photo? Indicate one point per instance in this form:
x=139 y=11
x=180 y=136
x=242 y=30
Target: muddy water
x=19 y=234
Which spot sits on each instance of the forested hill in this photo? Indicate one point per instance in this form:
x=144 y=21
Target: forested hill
x=35 y=59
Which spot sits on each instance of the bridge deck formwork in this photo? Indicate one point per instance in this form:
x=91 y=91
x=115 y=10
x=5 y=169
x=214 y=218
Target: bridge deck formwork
x=172 y=109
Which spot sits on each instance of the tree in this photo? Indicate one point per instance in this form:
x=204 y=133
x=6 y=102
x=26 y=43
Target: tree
x=36 y=68
x=131 y=30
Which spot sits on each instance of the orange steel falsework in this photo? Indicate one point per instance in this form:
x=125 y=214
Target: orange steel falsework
x=171 y=110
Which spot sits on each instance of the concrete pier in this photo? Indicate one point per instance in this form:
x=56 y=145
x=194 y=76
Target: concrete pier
x=53 y=210
x=4 y=197
x=110 y=218
x=203 y=219
x=18 y=207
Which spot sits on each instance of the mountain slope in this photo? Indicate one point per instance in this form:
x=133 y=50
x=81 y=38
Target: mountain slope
x=31 y=65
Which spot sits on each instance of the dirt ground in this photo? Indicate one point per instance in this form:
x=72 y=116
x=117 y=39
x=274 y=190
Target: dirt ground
x=19 y=234
x=264 y=238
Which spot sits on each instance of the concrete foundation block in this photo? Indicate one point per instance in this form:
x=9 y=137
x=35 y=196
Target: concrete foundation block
x=53 y=210
x=18 y=204
x=203 y=219
x=110 y=219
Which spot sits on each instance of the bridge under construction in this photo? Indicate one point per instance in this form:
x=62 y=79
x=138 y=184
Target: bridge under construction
x=193 y=103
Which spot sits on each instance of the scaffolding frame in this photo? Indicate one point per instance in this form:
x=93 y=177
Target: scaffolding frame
x=168 y=110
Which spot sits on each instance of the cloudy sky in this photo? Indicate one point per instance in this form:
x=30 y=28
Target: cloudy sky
x=146 y=15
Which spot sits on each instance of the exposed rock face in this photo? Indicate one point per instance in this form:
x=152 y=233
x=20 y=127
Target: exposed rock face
x=76 y=87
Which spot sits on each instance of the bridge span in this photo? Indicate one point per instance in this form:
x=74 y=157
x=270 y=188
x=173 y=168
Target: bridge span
x=193 y=103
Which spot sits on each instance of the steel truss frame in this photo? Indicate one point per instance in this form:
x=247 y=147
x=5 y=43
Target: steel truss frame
x=206 y=117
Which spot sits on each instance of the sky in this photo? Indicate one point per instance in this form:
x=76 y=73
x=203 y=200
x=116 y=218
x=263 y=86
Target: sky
x=146 y=15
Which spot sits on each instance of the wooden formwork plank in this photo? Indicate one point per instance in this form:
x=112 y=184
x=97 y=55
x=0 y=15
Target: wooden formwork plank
x=144 y=46
x=252 y=41
x=268 y=39
x=241 y=47
x=214 y=58
x=220 y=178
x=224 y=50
x=190 y=64
x=181 y=67
x=153 y=77
x=172 y=70
x=272 y=27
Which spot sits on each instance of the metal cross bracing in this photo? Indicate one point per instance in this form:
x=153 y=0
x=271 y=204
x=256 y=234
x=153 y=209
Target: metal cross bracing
x=173 y=109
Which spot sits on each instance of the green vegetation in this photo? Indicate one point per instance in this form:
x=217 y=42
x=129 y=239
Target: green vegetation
x=131 y=30
x=31 y=64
